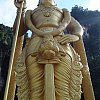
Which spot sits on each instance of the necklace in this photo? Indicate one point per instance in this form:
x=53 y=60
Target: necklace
x=47 y=11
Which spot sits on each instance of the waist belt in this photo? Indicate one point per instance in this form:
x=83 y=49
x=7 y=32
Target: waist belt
x=47 y=29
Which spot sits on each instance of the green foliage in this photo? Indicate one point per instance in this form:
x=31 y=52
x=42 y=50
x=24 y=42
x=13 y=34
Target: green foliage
x=82 y=14
x=5 y=46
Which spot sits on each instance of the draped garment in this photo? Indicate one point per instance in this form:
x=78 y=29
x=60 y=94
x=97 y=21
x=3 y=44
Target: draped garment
x=30 y=73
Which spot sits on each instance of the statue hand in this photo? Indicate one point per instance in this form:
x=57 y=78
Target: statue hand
x=18 y=3
x=68 y=38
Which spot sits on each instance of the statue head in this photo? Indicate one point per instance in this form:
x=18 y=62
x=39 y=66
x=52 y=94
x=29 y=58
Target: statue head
x=46 y=2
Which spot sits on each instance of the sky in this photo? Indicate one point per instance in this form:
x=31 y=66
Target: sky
x=8 y=10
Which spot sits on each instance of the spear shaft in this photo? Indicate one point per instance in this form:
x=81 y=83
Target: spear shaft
x=13 y=52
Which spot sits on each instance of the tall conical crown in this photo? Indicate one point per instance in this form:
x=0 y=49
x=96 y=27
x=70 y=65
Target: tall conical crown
x=51 y=2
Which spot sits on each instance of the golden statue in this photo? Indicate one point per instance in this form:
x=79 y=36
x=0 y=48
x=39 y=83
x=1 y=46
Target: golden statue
x=53 y=65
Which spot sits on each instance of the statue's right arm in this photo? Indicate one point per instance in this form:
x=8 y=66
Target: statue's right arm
x=22 y=28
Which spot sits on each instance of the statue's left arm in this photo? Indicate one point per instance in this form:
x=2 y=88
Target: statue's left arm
x=76 y=29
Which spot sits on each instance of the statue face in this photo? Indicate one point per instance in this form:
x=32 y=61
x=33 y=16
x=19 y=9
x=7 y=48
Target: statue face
x=51 y=2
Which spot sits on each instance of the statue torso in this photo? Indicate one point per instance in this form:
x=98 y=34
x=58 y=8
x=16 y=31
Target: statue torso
x=47 y=17
x=48 y=50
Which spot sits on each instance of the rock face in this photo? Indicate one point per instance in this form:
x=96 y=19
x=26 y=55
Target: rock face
x=5 y=46
x=1 y=81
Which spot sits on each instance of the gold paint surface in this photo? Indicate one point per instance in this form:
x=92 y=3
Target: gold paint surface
x=49 y=67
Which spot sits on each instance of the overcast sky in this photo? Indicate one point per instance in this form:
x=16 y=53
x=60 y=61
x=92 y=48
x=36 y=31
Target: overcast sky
x=8 y=10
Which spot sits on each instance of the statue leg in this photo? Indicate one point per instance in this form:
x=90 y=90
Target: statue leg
x=68 y=79
x=62 y=78
x=35 y=73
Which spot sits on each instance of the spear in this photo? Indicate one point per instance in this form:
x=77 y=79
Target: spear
x=13 y=51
